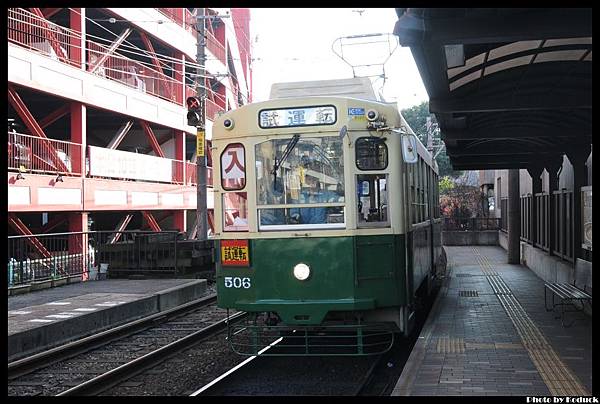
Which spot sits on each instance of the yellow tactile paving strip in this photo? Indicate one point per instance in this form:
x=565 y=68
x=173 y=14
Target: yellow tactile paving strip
x=450 y=345
x=561 y=381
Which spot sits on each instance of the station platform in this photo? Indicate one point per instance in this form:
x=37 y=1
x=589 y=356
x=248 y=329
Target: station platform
x=43 y=319
x=489 y=334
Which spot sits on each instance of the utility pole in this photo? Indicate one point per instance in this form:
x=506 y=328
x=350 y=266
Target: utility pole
x=201 y=212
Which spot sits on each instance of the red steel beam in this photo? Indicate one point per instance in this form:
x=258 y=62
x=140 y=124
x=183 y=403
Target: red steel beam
x=110 y=50
x=191 y=231
x=20 y=227
x=209 y=161
x=52 y=224
x=54 y=116
x=121 y=226
x=159 y=218
x=49 y=12
x=156 y=62
x=41 y=164
x=211 y=220
x=51 y=37
x=151 y=221
x=152 y=139
x=34 y=127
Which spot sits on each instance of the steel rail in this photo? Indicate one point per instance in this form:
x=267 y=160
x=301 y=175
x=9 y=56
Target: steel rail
x=124 y=372
x=234 y=369
x=32 y=363
x=368 y=378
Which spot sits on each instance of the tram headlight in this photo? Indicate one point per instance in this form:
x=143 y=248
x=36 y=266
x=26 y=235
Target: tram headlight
x=301 y=271
x=228 y=123
x=372 y=115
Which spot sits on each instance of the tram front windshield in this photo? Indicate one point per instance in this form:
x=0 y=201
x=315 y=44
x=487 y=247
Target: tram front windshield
x=307 y=171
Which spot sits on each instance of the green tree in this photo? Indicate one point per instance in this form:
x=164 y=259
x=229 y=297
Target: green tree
x=416 y=116
x=446 y=184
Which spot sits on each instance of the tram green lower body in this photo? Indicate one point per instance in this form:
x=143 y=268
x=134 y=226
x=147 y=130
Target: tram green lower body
x=347 y=274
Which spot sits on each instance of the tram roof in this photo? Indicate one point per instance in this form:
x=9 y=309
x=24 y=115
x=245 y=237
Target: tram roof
x=509 y=87
x=357 y=87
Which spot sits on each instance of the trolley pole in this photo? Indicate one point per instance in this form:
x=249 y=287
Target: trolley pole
x=201 y=212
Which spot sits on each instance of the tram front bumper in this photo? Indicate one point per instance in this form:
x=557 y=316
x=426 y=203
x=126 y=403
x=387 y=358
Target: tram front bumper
x=305 y=312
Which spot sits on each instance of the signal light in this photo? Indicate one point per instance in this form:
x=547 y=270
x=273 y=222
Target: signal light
x=193 y=103
x=194 y=109
x=193 y=118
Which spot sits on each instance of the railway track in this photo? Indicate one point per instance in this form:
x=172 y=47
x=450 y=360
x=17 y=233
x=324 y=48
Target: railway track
x=291 y=375
x=351 y=376
x=94 y=364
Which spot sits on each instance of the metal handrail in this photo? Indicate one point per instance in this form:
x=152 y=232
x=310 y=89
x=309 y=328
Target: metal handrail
x=33 y=154
x=27 y=29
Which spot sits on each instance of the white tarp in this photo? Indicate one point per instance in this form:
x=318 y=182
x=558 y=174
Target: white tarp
x=122 y=164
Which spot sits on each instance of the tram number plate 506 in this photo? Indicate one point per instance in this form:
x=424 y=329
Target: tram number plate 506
x=236 y=282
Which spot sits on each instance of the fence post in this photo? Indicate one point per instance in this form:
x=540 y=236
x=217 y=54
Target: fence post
x=10 y=272
x=552 y=168
x=578 y=160
x=514 y=222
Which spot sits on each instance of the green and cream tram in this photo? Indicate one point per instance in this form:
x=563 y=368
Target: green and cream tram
x=326 y=219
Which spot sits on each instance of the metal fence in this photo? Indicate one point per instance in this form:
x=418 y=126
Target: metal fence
x=561 y=226
x=35 y=154
x=525 y=202
x=542 y=231
x=586 y=217
x=31 y=31
x=451 y=223
x=42 y=257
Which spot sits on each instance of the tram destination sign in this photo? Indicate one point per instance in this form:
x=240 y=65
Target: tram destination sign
x=304 y=116
x=235 y=253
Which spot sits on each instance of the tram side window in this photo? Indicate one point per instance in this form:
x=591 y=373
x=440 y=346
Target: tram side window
x=426 y=185
x=372 y=200
x=436 y=202
x=412 y=193
x=235 y=211
x=371 y=153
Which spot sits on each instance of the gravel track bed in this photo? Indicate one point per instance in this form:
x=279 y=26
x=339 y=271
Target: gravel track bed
x=188 y=371
x=307 y=376
x=66 y=374
x=183 y=373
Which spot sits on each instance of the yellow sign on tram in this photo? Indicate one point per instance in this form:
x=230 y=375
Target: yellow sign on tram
x=235 y=253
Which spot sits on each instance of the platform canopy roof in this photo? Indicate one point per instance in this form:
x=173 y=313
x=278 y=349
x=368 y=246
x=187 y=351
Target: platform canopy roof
x=509 y=87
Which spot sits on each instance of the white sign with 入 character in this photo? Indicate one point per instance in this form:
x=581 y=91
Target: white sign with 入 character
x=233 y=163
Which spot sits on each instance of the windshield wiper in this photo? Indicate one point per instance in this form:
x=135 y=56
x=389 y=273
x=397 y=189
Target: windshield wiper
x=290 y=146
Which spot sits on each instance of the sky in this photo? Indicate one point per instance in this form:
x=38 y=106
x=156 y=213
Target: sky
x=296 y=45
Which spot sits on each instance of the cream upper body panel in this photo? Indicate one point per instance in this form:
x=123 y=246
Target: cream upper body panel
x=245 y=129
x=246 y=118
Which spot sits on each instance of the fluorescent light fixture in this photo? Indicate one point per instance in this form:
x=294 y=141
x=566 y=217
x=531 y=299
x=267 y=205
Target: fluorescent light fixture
x=455 y=55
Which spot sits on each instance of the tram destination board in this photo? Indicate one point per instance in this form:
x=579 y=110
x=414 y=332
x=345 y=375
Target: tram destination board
x=235 y=253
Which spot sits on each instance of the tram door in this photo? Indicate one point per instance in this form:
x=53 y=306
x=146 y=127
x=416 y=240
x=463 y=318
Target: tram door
x=372 y=198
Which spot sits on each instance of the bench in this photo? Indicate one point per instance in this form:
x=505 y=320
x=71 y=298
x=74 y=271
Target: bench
x=570 y=294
